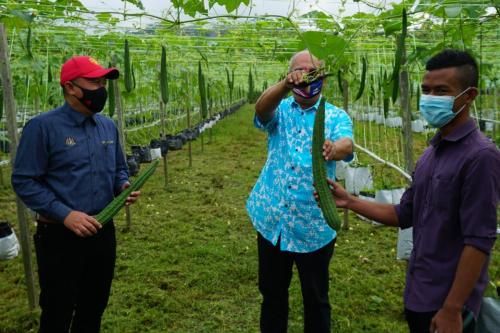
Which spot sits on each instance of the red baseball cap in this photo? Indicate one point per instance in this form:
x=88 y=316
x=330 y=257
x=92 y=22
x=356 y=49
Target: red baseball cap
x=86 y=67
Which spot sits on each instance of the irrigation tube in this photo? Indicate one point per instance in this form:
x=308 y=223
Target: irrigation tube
x=389 y=164
x=488 y=120
x=157 y=122
x=141 y=127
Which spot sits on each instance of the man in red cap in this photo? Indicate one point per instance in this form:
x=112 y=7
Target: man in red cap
x=69 y=166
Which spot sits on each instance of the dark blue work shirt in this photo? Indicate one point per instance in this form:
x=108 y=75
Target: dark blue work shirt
x=68 y=161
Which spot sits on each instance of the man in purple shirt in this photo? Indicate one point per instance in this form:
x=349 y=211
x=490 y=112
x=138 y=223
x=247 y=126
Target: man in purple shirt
x=451 y=204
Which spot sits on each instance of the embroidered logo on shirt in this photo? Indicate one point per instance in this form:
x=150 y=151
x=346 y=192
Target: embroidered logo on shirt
x=107 y=142
x=70 y=141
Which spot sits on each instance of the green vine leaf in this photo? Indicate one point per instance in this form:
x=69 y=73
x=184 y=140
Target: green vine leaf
x=191 y=7
x=322 y=44
x=230 y=5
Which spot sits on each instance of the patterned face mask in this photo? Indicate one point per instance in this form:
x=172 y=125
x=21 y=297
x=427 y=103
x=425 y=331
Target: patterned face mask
x=311 y=90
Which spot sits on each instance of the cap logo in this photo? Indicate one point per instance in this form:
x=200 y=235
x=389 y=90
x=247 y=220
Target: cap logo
x=92 y=60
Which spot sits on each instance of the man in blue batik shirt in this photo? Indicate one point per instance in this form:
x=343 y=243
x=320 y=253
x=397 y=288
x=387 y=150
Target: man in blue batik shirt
x=290 y=226
x=69 y=166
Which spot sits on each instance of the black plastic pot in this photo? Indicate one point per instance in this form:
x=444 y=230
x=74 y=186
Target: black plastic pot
x=174 y=142
x=141 y=154
x=5 y=229
x=133 y=166
x=155 y=143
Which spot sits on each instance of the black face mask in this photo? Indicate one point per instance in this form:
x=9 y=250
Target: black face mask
x=94 y=100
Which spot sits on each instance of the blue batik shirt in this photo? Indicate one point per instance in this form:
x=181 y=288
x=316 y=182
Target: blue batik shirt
x=281 y=204
x=68 y=161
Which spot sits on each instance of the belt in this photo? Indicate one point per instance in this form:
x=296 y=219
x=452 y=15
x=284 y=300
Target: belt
x=42 y=219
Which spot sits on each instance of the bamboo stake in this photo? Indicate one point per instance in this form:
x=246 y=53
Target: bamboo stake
x=10 y=112
x=405 y=107
x=121 y=132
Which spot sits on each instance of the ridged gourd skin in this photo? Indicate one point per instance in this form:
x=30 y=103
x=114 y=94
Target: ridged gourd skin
x=326 y=201
x=114 y=206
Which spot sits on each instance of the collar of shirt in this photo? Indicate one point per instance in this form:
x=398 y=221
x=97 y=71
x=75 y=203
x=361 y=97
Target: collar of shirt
x=78 y=117
x=459 y=133
x=309 y=109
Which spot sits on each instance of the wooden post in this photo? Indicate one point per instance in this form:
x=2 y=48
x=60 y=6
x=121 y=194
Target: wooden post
x=189 y=143
x=163 y=134
x=406 y=113
x=37 y=103
x=121 y=132
x=10 y=113
x=189 y=123
x=210 y=116
x=481 y=81
x=165 y=169
x=2 y=183
x=495 y=112
x=201 y=138
x=345 y=88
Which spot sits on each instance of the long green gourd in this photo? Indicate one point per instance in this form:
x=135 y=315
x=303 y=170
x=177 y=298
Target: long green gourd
x=111 y=96
x=114 y=206
x=363 y=80
x=339 y=81
x=399 y=57
x=203 y=93
x=250 y=86
x=326 y=200
x=128 y=71
x=164 y=76
x=49 y=74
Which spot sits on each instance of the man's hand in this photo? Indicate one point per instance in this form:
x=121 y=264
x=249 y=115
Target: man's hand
x=341 y=196
x=294 y=78
x=133 y=196
x=329 y=150
x=81 y=224
x=447 y=320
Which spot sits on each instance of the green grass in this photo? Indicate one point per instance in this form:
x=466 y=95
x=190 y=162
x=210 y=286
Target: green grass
x=189 y=264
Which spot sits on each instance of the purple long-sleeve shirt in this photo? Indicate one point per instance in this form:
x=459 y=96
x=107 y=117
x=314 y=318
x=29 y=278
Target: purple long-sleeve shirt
x=452 y=202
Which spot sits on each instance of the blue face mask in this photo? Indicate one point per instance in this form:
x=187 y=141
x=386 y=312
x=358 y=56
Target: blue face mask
x=311 y=90
x=438 y=110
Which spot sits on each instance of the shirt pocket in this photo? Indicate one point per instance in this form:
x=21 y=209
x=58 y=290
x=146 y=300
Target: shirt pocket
x=108 y=152
x=445 y=193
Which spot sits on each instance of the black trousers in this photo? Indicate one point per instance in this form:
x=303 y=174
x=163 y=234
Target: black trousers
x=420 y=322
x=275 y=275
x=75 y=277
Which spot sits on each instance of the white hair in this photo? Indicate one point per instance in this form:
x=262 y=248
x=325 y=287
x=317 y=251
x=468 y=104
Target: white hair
x=315 y=60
